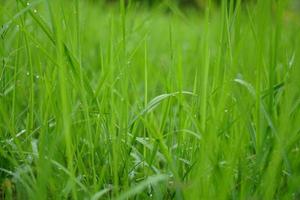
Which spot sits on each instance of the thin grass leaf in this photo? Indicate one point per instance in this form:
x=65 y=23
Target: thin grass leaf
x=151 y=180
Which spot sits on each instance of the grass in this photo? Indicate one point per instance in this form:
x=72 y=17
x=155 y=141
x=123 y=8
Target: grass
x=124 y=102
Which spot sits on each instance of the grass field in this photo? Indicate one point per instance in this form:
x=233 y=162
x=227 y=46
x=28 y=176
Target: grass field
x=123 y=101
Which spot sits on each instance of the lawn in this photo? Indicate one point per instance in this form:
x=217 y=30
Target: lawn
x=125 y=101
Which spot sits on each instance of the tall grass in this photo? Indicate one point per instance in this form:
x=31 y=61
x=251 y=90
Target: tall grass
x=125 y=102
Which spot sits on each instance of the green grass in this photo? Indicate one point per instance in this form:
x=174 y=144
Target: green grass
x=124 y=102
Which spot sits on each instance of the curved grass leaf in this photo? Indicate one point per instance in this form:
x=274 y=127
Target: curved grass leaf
x=152 y=180
x=156 y=101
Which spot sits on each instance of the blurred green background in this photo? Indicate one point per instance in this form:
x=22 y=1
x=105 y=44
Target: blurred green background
x=194 y=3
